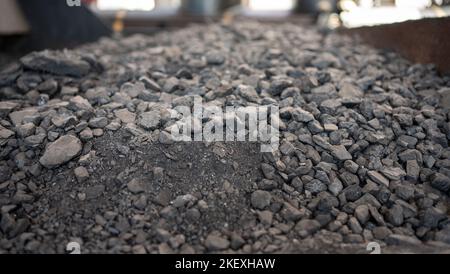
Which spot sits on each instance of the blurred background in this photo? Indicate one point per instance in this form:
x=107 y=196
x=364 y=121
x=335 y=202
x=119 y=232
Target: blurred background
x=419 y=29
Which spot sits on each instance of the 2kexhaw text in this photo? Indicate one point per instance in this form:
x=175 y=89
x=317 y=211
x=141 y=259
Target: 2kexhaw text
x=226 y=264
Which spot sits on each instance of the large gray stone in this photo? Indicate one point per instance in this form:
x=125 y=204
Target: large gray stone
x=61 y=151
x=58 y=63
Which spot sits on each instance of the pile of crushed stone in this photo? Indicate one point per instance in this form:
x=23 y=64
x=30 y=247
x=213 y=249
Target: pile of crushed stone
x=86 y=154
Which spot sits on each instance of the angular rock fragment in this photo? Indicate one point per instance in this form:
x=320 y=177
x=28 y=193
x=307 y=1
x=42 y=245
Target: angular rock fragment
x=301 y=115
x=135 y=186
x=441 y=182
x=341 y=153
x=248 y=93
x=393 y=173
x=216 y=243
x=378 y=178
x=6 y=107
x=125 y=116
x=18 y=116
x=79 y=103
x=61 y=151
x=307 y=227
x=6 y=133
x=348 y=90
x=58 y=63
x=260 y=199
x=150 y=120
x=81 y=174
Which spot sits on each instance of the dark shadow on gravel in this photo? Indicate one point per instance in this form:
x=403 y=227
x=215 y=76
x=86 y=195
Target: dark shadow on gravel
x=223 y=175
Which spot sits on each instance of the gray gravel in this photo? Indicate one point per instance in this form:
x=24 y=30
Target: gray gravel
x=86 y=155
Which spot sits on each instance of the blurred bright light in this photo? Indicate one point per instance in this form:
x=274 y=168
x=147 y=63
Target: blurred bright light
x=145 y=5
x=367 y=14
x=271 y=5
x=383 y=15
x=347 y=5
x=366 y=3
x=419 y=4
